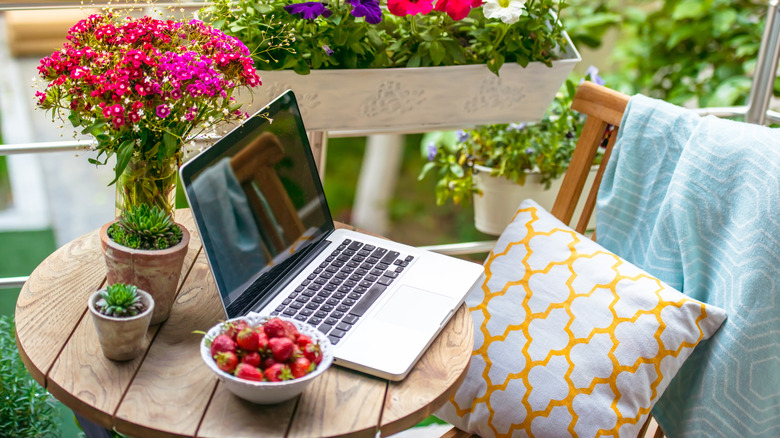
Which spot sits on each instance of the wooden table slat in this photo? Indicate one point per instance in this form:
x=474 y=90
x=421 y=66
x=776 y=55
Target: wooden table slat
x=57 y=290
x=434 y=379
x=228 y=415
x=168 y=396
x=322 y=407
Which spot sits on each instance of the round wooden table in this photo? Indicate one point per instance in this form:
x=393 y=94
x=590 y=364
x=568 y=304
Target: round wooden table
x=168 y=391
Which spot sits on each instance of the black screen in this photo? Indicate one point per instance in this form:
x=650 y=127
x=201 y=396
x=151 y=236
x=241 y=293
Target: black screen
x=258 y=202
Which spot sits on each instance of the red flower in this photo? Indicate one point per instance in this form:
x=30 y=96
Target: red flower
x=457 y=9
x=409 y=7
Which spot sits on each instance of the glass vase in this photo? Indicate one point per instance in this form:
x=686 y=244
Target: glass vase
x=147 y=182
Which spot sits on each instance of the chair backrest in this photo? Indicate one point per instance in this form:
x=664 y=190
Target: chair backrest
x=604 y=110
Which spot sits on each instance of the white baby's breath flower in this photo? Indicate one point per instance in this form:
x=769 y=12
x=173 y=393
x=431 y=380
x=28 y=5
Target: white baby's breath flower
x=136 y=128
x=508 y=11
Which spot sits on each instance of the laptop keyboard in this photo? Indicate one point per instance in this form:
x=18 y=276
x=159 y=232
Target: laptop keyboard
x=343 y=287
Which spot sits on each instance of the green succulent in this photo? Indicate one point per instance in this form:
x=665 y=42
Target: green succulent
x=145 y=227
x=120 y=300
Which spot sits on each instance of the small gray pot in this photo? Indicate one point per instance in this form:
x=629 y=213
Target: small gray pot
x=122 y=338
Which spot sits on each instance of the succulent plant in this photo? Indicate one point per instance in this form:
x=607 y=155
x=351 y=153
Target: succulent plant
x=120 y=300
x=145 y=227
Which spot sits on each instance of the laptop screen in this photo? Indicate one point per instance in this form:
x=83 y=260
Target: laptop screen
x=258 y=202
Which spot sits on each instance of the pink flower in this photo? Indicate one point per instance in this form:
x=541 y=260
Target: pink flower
x=163 y=111
x=409 y=7
x=457 y=9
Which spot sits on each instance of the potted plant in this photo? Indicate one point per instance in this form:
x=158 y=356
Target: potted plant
x=370 y=66
x=144 y=88
x=499 y=165
x=145 y=247
x=121 y=314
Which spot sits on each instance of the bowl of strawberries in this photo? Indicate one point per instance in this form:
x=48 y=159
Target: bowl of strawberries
x=266 y=359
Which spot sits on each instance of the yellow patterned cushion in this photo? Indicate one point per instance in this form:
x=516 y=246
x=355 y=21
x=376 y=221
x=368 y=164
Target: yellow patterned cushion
x=570 y=339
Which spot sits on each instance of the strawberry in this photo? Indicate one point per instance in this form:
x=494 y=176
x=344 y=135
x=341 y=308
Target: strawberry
x=268 y=362
x=274 y=328
x=290 y=330
x=303 y=340
x=252 y=358
x=222 y=343
x=247 y=339
x=313 y=353
x=248 y=372
x=278 y=372
x=281 y=348
x=262 y=341
x=226 y=361
x=301 y=367
x=234 y=327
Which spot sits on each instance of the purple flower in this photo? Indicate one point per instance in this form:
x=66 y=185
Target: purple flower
x=366 y=8
x=462 y=136
x=516 y=126
x=308 y=10
x=529 y=151
x=592 y=74
x=163 y=111
x=327 y=49
x=432 y=150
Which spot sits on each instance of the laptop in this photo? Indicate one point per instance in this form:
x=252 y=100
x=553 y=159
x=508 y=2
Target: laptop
x=273 y=248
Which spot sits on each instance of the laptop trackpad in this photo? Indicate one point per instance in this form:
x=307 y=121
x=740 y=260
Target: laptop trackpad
x=415 y=308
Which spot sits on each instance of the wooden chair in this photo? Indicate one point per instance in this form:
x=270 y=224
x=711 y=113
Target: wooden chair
x=604 y=109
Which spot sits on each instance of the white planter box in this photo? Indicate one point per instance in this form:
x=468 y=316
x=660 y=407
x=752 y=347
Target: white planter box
x=418 y=99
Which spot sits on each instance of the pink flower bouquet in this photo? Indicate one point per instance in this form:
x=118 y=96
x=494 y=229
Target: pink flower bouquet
x=145 y=87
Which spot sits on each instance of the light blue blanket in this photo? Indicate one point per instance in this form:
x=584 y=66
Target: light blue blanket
x=696 y=202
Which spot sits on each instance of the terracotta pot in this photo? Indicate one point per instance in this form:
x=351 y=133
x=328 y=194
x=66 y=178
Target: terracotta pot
x=155 y=271
x=122 y=338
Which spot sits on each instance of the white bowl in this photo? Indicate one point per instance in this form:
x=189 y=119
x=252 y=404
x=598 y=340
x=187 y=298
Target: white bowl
x=268 y=392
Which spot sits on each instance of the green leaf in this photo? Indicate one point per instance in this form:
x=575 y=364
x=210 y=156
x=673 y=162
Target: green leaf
x=123 y=155
x=456 y=170
x=75 y=119
x=495 y=62
x=426 y=168
x=414 y=61
x=438 y=52
x=689 y=9
x=170 y=144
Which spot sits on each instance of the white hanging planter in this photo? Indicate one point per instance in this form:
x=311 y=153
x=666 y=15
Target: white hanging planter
x=497 y=205
x=418 y=99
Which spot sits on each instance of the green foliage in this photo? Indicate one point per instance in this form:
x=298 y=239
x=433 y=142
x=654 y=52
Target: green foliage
x=5 y=184
x=587 y=21
x=690 y=50
x=145 y=227
x=120 y=300
x=26 y=409
x=280 y=40
x=510 y=150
